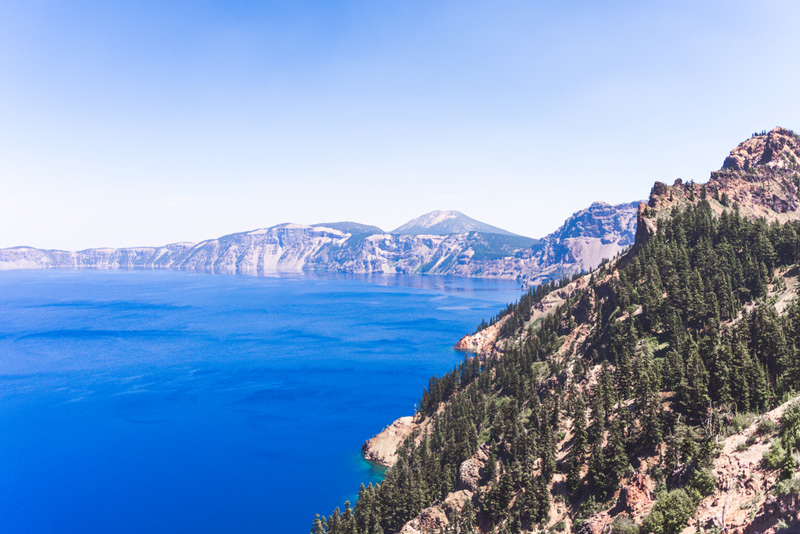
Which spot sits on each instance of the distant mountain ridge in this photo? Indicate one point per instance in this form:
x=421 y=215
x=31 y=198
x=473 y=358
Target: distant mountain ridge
x=349 y=227
x=472 y=249
x=446 y=223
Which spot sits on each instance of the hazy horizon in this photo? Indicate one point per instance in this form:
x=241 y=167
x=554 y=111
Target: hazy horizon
x=146 y=124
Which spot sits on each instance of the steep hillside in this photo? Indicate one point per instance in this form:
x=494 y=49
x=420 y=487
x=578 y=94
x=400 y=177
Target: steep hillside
x=647 y=397
x=598 y=232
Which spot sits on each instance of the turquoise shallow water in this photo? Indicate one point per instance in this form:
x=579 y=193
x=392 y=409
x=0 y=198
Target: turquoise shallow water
x=174 y=402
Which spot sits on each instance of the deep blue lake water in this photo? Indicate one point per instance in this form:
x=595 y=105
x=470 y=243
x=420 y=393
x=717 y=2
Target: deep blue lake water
x=167 y=402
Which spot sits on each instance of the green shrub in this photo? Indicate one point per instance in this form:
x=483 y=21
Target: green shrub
x=791 y=417
x=623 y=524
x=766 y=426
x=740 y=421
x=788 y=487
x=670 y=513
x=773 y=457
x=703 y=482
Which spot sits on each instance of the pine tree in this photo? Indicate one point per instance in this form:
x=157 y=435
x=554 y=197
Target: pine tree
x=597 y=476
x=652 y=422
x=616 y=460
x=695 y=394
x=598 y=415
x=577 y=452
x=318 y=525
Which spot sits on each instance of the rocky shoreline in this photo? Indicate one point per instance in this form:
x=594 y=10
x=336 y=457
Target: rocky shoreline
x=382 y=447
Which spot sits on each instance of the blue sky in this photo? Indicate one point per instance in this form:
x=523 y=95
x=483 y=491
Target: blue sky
x=138 y=123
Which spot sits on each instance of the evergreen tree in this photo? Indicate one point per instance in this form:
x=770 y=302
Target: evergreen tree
x=576 y=454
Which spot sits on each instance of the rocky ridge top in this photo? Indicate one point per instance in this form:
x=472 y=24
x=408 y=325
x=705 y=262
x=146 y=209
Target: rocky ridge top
x=777 y=149
x=759 y=179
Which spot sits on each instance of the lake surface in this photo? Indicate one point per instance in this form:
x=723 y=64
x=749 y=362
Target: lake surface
x=167 y=402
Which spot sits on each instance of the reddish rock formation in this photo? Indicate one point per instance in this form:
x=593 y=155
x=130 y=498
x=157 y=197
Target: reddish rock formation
x=470 y=473
x=431 y=519
x=635 y=496
x=776 y=149
x=760 y=178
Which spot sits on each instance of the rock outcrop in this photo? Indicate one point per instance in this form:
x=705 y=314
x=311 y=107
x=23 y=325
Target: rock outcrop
x=777 y=149
x=431 y=519
x=382 y=448
x=759 y=179
x=471 y=471
x=743 y=501
x=483 y=341
x=586 y=238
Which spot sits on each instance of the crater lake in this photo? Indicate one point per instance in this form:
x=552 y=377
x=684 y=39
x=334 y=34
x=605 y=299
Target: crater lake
x=163 y=402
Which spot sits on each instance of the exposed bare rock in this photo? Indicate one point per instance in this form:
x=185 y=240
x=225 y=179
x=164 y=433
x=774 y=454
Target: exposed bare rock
x=743 y=494
x=774 y=511
x=470 y=473
x=596 y=524
x=776 y=149
x=382 y=448
x=760 y=179
x=558 y=297
x=586 y=238
x=430 y=520
x=482 y=342
x=455 y=501
x=283 y=248
x=635 y=496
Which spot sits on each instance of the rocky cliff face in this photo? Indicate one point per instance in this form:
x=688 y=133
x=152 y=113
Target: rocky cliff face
x=598 y=232
x=284 y=248
x=759 y=179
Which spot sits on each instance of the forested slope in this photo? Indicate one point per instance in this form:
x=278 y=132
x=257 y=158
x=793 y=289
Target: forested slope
x=610 y=411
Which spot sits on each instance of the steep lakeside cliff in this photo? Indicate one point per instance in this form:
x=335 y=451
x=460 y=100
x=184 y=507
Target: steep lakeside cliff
x=600 y=231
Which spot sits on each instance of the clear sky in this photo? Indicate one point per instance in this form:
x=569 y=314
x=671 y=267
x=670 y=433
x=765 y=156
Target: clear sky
x=143 y=123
